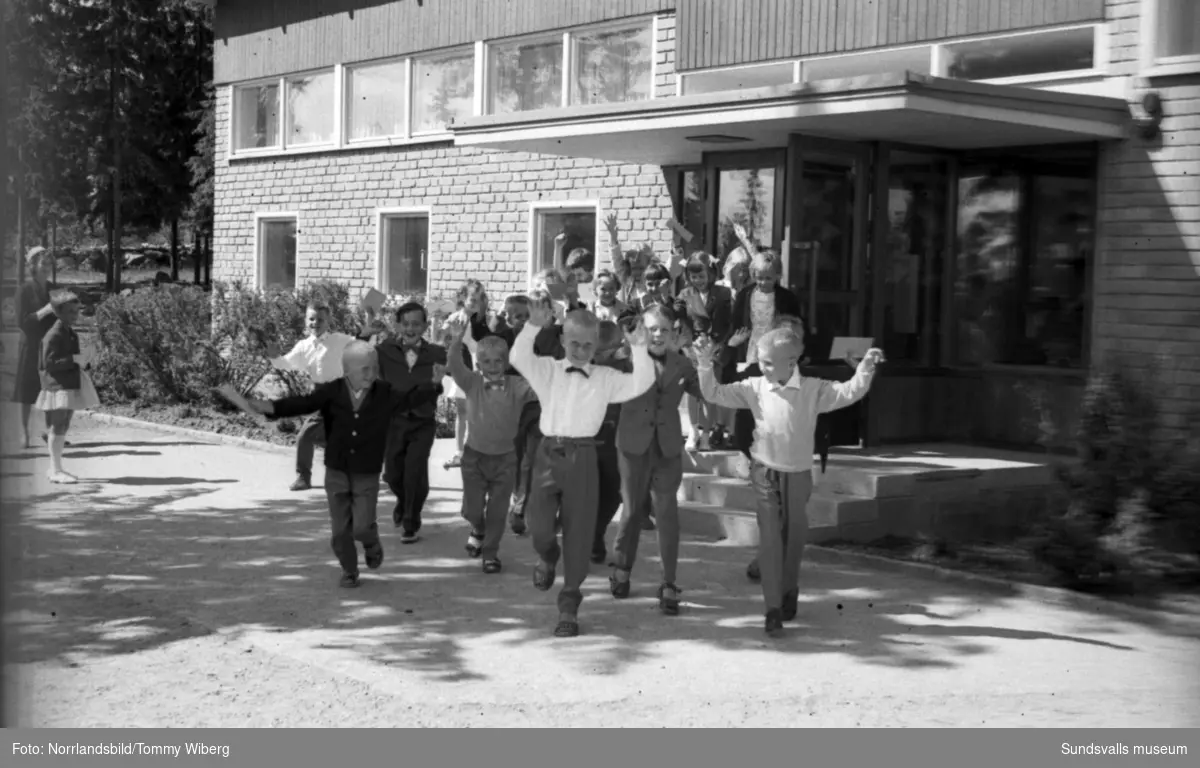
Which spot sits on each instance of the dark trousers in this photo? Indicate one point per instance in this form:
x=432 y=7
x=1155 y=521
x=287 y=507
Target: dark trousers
x=487 y=488
x=312 y=434
x=650 y=481
x=609 y=478
x=529 y=435
x=352 y=503
x=782 y=507
x=565 y=486
x=406 y=468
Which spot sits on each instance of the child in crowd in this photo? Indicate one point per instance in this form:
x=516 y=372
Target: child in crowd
x=629 y=266
x=708 y=307
x=658 y=288
x=607 y=307
x=785 y=406
x=406 y=362
x=743 y=424
x=494 y=403
x=650 y=443
x=608 y=353
x=356 y=411
x=473 y=311
x=575 y=394
x=66 y=387
x=319 y=356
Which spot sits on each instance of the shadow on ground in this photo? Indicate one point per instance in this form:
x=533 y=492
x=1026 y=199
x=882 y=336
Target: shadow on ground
x=98 y=571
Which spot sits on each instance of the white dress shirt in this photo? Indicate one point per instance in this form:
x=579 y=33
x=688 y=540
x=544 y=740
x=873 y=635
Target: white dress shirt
x=785 y=416
x=318 y=356
x=574 y=404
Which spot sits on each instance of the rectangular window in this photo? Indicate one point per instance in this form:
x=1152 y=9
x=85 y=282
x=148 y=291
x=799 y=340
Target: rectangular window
x=375 y=100
x=310 y=109
x=404 y=253
x=1040 y=53
x=277 y=253
x=575 y=224
x=443 y=90
x=256 y=116
x=612 y=66
x=739 y=78
x=1171 y=36
x=1025 y=239
x=919 y=60
x=525 y=75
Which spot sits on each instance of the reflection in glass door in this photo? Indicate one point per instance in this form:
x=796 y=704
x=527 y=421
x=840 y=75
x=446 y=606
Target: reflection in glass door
x=826 y=255
x=748 y=194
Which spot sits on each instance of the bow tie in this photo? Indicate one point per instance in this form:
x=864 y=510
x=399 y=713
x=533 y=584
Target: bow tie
x=488 y=386
x=576 y=369
x=410 y=347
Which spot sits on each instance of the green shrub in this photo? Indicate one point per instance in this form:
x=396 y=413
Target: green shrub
x=1133 y=493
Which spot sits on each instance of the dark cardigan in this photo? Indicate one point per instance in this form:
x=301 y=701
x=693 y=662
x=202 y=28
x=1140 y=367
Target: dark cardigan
x=355 y=440
x=57 y=365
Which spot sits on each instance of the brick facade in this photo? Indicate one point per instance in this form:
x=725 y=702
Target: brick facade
x=1146 y=289
x=480 y=202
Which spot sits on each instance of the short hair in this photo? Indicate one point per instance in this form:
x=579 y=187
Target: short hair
x=789 y=321
x=549 y=275
x=492 y=343
x=582 y=320
x=581 y=258
x=517 y=298
x=656 y=271
x=316 y=306
x=699 y=264
x=357 y=347
x=766 y=259
x=637 y=257
x=60 y=299
x=607 y=274
x=610 y=335
x=660 y=312
x=409 y=307
x=781 y=338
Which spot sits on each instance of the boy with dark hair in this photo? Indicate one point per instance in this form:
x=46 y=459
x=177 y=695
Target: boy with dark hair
x=356 y=411
x=406 y=362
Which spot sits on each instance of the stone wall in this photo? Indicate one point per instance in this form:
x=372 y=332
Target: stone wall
x=1147 y=276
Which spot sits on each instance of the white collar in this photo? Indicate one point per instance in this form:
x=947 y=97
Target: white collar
x=792 y=383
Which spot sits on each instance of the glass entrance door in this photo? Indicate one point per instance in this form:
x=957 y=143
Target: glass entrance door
x=826 y=261
x=749 y=194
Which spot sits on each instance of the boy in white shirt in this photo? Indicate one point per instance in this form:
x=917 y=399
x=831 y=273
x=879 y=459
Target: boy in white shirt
x=574 y=395
x=785 y=406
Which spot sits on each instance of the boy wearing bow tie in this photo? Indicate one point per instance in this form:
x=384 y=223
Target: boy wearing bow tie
x=406 y=362
x=650 y=445
x=575 y=394
x=495 y=401
x=785 y=406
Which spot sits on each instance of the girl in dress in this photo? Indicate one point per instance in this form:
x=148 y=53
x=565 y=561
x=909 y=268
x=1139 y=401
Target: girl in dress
x=35 y=315
x=66 y=387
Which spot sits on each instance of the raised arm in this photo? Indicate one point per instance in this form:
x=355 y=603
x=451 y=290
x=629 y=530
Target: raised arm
x=834 y=395
x=538 y=371
x=619 y=267
x=300 y=405
x=622 y=387
x=738 y=395
x=463 y=376
x=744 y=238
x=292 y=361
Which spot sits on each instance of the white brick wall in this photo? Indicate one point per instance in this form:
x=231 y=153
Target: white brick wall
x=1147 y=277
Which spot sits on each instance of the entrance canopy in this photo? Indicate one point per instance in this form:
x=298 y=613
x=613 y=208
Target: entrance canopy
x=902 y=107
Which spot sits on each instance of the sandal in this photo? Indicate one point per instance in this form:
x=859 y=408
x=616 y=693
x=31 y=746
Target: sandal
x=491 y=566
x=567 y=628
x=669 y=605
x=543 y=577
x=474 y=545
x=619 y=589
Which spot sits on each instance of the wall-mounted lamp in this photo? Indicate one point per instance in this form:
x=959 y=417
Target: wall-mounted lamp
x=1150 y=120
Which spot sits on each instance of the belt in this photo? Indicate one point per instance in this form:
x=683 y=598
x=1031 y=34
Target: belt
x=573 y=441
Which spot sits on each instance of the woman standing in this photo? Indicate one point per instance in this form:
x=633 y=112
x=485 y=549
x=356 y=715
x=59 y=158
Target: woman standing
x=35 y=317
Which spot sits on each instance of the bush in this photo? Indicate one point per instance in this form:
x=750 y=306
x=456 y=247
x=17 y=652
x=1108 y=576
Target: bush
x=1134 y=491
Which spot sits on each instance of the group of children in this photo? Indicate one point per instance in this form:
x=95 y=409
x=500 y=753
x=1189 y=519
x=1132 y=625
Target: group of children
x=571 y=411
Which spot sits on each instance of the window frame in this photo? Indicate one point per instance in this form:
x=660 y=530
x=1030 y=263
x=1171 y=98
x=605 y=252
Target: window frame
x=285 y=112
x=1100 y=54
x=382 y=272
x=266 y=217
x=346 y=117
x=458 y=51
x=1153 y=65
x=235 y=119
x=538 y=207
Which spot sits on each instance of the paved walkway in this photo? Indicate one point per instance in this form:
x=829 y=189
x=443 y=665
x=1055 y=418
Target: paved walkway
x=185 y=586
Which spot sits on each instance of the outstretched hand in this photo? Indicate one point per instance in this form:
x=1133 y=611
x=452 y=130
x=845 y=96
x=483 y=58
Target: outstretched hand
x=636 y=336
x=541 y=314
x=704 y=351
x=739 y=338
x=610 y=222
x=456 y=326
x=872 y=359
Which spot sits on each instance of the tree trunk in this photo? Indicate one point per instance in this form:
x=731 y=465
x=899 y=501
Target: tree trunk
x=197 y=257
x=208 y=261
x=20 y=217
x=118 y=261
x=54 y=248
x=175 y=249
x=108 y=233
